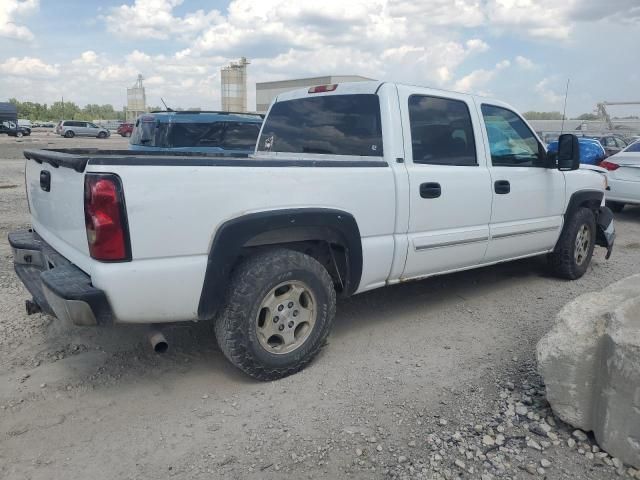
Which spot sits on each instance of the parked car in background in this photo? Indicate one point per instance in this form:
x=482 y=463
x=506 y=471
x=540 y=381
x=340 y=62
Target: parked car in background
x=624 y=177
x=72 y=128
x=22 y=122
x=204 y=132
x=591 y=151
x=612 y=143
x=125 y=129
x=13 y=129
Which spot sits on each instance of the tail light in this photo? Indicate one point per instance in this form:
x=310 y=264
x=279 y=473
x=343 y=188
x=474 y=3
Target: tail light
x=323 y=88
x=609 y=165
x=106 y=218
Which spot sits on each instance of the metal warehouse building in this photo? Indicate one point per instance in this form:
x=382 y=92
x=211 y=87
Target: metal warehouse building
x=267 y=91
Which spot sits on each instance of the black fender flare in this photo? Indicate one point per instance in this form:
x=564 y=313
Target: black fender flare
x=233 y=235
x=584 y=198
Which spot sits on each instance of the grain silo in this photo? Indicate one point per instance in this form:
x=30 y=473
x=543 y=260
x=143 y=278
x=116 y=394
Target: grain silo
x=234 y=86
x=136 y=101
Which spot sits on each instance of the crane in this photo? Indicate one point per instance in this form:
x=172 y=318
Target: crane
x=601 y=109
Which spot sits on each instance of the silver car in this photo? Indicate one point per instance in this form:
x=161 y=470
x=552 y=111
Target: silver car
x=71 y=128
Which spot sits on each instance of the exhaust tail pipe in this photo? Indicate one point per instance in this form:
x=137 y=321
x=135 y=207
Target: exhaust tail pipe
x=157 y=340
x=32 y=307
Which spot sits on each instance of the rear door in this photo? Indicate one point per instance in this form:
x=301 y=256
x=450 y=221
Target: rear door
x=450 y=195
x=528 y=197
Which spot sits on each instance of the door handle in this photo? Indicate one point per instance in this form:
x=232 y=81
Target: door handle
x=430 y=190
x=502 y=187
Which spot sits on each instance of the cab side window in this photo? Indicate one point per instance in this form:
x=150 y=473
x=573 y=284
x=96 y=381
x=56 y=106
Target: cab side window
x=511 y=142
x=441 y=131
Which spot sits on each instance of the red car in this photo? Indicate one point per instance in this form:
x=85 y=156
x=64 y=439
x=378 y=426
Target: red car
x=125 y=129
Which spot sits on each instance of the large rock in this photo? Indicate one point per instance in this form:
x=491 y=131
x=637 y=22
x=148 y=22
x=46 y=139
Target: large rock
x=590 y=362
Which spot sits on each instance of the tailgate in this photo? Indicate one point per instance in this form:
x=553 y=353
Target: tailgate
x=55 y=190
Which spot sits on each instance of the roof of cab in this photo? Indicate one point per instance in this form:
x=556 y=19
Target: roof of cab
x=373 y=87
x=196 y=116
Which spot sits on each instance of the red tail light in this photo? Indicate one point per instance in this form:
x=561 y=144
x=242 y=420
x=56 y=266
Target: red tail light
x=609 y=165
x=323 y=88
x=106 y=218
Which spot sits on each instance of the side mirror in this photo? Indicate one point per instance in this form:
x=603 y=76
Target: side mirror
x=568 y=152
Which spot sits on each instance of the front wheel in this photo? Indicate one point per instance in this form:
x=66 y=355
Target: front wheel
x=127 y=134
x=19 y=134
x=572 y=255
x=278 y=313
x=102 y=135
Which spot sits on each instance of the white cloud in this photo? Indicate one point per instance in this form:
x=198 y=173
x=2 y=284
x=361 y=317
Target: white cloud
x=10 y=11
x=29 y=67
x=544 y=89
x=155 y=19
x=478 y=79
x=525 y=63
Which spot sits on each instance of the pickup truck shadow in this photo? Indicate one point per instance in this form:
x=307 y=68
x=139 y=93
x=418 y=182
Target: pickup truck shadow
x=125 y=353
x=194 y=345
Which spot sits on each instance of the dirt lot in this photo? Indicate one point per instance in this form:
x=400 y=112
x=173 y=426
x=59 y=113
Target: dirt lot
x=419 y=380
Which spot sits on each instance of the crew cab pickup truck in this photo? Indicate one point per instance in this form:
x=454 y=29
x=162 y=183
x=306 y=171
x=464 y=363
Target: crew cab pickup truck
x=352 y=187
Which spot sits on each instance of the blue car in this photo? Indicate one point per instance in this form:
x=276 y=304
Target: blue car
x=591 y=151
x=194 y=131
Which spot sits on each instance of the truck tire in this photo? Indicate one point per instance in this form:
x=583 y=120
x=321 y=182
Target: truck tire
x=615 y=207
x=69 y=134
x=278 y=312
x=572 y=255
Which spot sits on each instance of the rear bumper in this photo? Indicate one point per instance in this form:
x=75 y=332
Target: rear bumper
x=58 y=287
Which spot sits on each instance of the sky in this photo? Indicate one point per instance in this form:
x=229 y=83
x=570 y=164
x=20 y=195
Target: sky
x=520 y=51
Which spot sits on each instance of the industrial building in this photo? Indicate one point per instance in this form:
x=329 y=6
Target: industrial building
x=234 y=86
x=267 y=91
x=136 y=101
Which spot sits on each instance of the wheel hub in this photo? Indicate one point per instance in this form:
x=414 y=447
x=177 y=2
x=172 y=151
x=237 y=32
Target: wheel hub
x=286 y=317
x=583 y=242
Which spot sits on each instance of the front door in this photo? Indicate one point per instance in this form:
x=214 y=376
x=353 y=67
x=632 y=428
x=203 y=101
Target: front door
x=528 y=197
x=450 y=195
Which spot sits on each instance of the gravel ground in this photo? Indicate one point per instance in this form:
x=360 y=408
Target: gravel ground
x=432 y=379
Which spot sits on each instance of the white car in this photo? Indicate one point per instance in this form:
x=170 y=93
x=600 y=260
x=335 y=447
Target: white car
x=624 y=177
x=352 y=187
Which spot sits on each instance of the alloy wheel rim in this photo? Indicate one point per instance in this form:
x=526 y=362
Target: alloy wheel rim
x=286 y=317
x=583 y=242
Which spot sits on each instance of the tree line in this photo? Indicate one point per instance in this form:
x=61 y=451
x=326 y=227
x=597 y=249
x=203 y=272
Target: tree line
x=66 y=111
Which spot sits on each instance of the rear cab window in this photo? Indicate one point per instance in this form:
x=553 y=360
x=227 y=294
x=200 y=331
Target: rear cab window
x=330 y=124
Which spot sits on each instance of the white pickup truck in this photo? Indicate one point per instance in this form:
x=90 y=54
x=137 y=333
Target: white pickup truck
x=352 y=187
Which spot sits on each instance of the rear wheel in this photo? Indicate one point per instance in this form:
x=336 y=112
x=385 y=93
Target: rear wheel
x=127 y=134
x=69 y=134
x=615 y=207
x=277 y=315
x=572 y=255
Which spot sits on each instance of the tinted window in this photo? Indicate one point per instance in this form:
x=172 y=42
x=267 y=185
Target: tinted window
x=511 y=142
x=240 y=136
x=634 y=147
x=195 y=134
x=149 y=133
x=334 y=124
x=620 y=143
x=441 y=131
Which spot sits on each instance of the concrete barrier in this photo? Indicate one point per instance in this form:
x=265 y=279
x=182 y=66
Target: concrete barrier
x=590 y=362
